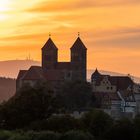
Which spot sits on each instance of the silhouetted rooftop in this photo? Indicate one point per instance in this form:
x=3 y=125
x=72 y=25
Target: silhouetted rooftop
x=49 y=45
x=78 y=45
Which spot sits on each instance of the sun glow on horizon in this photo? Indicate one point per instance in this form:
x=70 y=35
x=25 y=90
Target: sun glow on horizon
x=109 y=29
x=4 y=5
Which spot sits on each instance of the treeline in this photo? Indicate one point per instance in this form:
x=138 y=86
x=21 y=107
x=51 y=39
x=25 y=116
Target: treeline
x=7 y=88
x=45 y=135
x=95 y=125
x=32 y=112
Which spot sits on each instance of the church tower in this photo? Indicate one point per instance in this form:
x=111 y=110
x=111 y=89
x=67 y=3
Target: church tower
x=49 y=55
x=79 y=60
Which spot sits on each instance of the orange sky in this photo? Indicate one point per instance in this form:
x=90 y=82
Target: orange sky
x=109 y=28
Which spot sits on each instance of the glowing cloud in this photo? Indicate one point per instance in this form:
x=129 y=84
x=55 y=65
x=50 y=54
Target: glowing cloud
x=109 y=29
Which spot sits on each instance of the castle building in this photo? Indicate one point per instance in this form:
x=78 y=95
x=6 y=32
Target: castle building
x=53 y=71
x=115 y=94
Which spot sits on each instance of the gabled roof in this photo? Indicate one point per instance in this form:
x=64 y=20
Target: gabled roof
x=122 y=82
x=21 y=74
x=50 y=45
x=34 y=73
x=78 y=45
x=98 y=77
x=127 y=95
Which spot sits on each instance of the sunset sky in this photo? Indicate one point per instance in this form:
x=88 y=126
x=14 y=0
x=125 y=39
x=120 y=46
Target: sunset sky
x=109 y=28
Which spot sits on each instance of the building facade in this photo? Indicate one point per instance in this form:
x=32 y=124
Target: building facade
x=53 y=71
x=115 y=94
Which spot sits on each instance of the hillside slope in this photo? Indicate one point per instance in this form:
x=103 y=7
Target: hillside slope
x=11 y=68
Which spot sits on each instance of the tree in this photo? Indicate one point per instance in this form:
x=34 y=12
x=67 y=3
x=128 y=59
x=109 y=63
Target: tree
x=137 y=128
x=46 y=136
x=28 y=105
x=5 y=135
x=77 y=135
x=122 y=129
x=97 y=122
x=57 y=124
x=76 y=95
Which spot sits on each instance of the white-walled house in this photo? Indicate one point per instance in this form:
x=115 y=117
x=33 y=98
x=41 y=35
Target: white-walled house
x=115 y=94
x=136 y=90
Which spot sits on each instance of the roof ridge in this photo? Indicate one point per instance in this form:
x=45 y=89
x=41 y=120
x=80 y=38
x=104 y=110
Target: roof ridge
x=78 y=44
x=50 y=43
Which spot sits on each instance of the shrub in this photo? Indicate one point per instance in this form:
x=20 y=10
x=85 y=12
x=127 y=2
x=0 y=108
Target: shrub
x=77 y=135
x=97 y=122
x=18 y=136
x=122 y=130
x=57 y=123
x=46 y=136
x=5 y=135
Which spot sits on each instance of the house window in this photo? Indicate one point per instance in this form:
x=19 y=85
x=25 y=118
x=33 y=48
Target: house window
x=107 y=88
x=111 y=88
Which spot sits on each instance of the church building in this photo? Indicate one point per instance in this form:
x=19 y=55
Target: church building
x=53 y=71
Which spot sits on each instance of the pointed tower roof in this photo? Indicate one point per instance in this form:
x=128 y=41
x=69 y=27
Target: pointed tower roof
x=78 y=45
x=50 y=45
x=96 y=74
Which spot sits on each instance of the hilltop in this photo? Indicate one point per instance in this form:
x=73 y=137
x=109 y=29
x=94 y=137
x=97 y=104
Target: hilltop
x=12 y=67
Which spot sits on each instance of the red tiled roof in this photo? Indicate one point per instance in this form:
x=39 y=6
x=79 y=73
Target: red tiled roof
x=49 y=45
x=34 y=73
x=122 y=82
x=78 y=45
